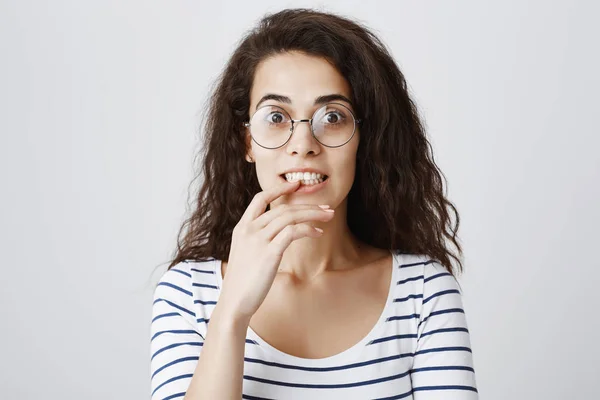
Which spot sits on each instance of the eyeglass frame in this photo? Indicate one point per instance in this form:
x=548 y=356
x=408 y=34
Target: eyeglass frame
x=357 y=121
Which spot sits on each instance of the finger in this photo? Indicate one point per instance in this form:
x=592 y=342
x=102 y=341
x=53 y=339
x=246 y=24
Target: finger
x=261 y=200
x=290 y=233
x=294 y=218
x=266 y=218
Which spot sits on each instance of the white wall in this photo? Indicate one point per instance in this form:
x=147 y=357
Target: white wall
x=99 y=108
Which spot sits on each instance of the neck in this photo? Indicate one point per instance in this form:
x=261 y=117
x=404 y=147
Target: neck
x=336 y=249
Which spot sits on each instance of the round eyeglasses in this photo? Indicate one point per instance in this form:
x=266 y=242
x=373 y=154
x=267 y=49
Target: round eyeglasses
x=332 y=125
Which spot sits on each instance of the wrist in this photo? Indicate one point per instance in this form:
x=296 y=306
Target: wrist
x=228 y=318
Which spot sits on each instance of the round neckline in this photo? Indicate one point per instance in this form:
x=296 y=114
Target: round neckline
x=344 y=355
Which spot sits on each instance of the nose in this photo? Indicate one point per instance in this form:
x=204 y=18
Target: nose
x=302 y=141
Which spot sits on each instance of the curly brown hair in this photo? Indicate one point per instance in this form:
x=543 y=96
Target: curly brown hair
x=397 y=199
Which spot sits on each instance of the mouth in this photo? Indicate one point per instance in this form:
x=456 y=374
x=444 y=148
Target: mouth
x=313 y=179
x=308 y=186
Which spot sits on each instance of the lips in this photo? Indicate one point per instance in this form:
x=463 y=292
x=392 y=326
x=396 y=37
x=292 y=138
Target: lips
x=303 y=169
x=308 y=189
x=325 y=177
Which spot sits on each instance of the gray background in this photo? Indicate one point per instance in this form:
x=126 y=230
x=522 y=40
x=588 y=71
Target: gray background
x=99 y=108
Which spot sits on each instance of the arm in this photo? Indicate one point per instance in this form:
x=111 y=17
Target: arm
x=220 y=369
x=184 y=364
x=443 y=361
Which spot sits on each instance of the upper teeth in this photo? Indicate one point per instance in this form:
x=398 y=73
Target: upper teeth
x=304 y=176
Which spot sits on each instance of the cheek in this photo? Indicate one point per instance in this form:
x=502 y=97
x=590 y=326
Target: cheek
x=264 y=176
x=346 y=170
x=266 y=172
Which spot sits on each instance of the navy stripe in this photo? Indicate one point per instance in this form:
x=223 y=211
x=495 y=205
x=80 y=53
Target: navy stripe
x=394 y=337
x=204 y=302
x=328 y=386
x=175 y=378
x=437 y=276
x=175 y=287
x=414 y=278
x=401 y=317
x=204 y=285
x=443 y=292
x=203 y=320
x=171 y=346
x=445 y=330
x=181 y=272
x=202 y=271
x=449 y=387
x=185 y=310
x=176 y=331
x=448 y=311
x=172 y=314
x=443 y=368
x=417 y=263
x=411 y=296
x=442 y=349
x=175 y=362
x=326 y=369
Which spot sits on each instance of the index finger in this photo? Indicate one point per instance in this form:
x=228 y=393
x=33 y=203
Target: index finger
x=262 y=199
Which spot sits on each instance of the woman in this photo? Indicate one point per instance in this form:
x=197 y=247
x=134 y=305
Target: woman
x=314 y=266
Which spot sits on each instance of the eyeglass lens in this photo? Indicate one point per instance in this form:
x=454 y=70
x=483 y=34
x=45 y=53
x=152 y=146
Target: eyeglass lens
x=333 y=125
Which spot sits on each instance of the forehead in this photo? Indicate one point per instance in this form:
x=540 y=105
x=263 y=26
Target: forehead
x=298 y=76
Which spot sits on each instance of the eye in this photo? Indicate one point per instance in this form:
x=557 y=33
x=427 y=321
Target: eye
x=276 y=117
x=333 y=117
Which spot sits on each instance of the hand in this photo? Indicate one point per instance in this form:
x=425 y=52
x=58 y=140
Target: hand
x=257 y=246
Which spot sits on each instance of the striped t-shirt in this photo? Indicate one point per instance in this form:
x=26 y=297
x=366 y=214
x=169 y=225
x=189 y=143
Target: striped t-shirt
x=419 y=348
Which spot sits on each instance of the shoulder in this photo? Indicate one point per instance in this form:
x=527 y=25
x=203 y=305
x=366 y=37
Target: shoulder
x=183 y=289
x=422 y=266
x=174 y=290
x=181 y=277
x=424 y=276
x=435 y=290
x=175 y=282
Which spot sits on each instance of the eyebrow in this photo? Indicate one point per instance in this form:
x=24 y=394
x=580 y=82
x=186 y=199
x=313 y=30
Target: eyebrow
x=318 y=101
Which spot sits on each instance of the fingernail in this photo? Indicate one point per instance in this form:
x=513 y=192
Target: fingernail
x=319 y=229
x=323 y=206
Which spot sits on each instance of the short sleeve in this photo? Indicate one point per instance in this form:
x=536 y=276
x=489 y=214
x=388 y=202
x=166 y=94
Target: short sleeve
x=443 y=360
x=175 y=342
